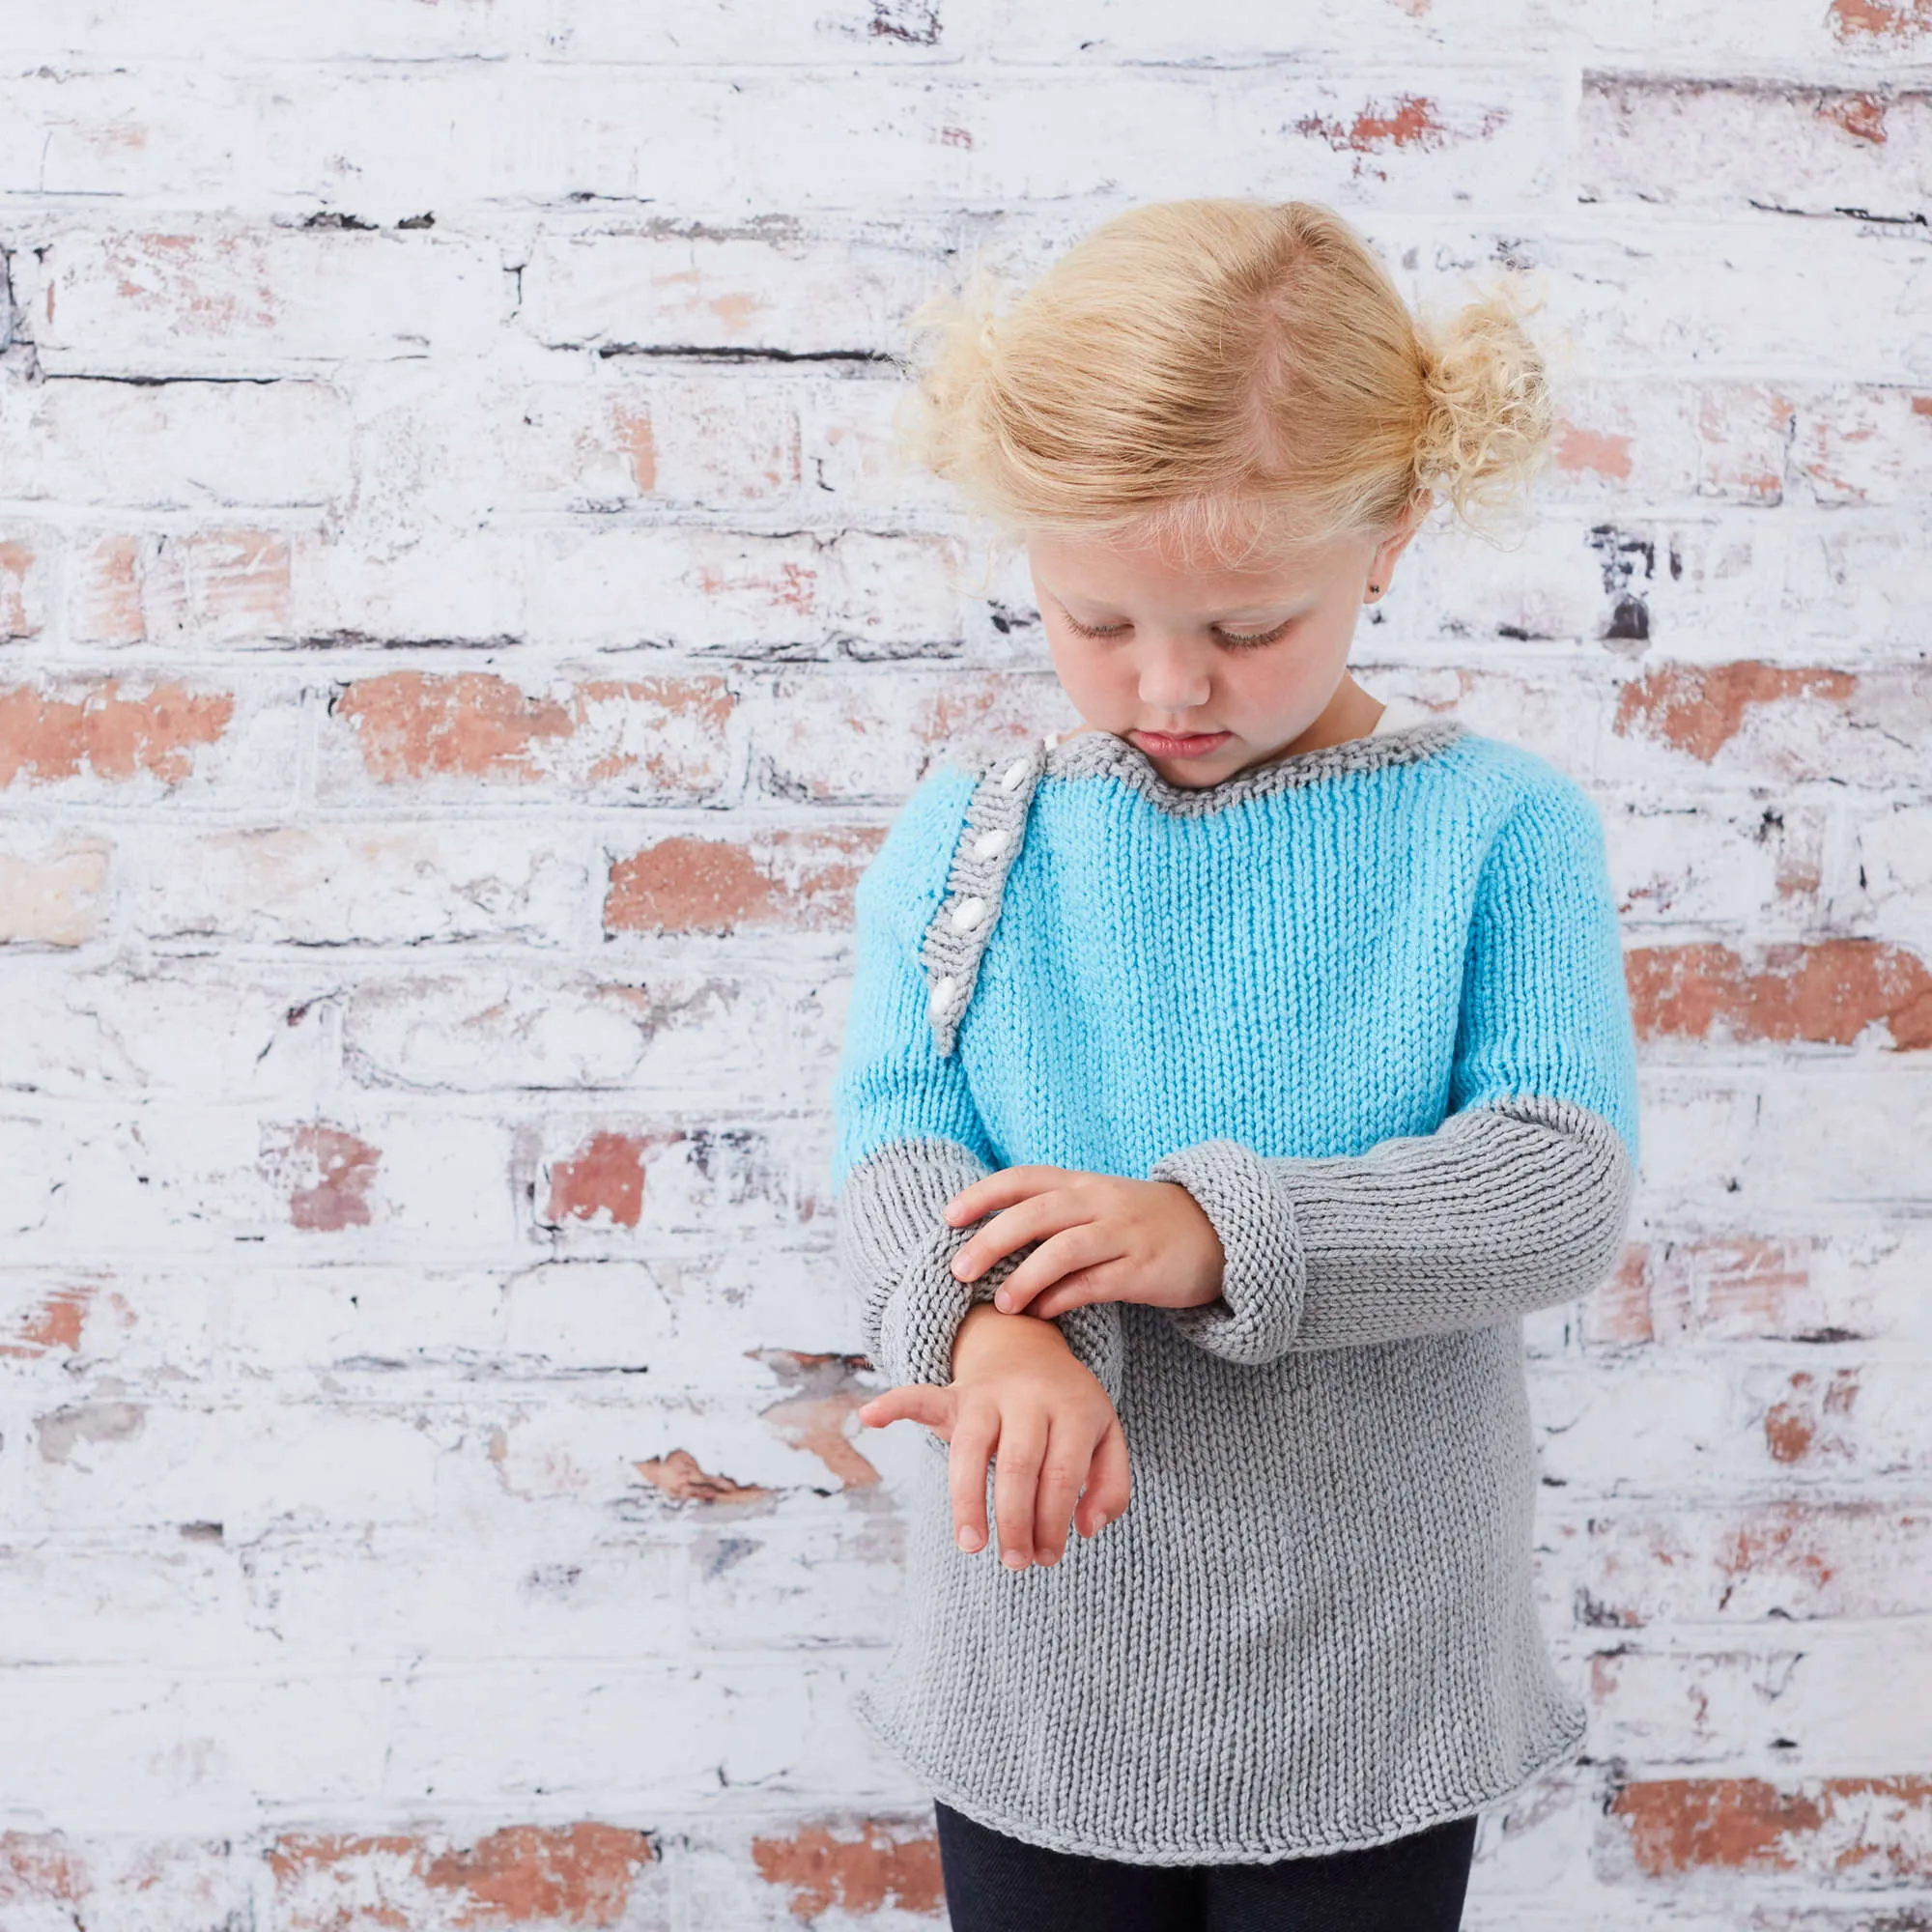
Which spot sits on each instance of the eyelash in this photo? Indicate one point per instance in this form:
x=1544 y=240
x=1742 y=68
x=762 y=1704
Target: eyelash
x=1225 y=637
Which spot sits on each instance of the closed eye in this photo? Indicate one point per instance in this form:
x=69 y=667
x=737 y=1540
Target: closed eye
x=1235 y=638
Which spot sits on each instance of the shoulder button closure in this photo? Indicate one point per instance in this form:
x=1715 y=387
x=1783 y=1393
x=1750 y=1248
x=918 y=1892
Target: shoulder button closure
x=968 y=913
x=1012 y=775
x=942 y=993
x=988 y=843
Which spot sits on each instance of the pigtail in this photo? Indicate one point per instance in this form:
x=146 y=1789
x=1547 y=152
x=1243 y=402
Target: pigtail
x=1489 y=419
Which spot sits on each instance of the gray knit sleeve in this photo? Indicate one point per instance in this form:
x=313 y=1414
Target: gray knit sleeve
x=1506 y=1207
x=893 y=1243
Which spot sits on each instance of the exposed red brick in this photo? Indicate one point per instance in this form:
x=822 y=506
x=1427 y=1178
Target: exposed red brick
x=1859 y=115
x=55 y=1325
x=1700 y=708
x=1877 y=1827
x=473 y=725
x=328 y=1173
x=574 y=1875
x=1829 y=992
x=1411 y=122
x=1608 y=455
x=1880 y=19
x=880 y=1868
x=1799 y=1427
x=108 y=734
x=16 y=559
x=410 y=725
x=685 y=1480
x=605 y=1176
x=788 y=879
x=579 y=1874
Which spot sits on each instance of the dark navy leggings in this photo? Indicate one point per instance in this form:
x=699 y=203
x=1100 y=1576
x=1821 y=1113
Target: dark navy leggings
x=997 y=1884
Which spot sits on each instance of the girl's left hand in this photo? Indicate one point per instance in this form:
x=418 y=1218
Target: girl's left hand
x=1103 y=1238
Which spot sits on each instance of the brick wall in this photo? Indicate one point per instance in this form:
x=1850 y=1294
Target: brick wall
x=464 y=636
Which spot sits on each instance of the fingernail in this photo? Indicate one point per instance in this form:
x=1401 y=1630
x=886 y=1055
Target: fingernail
x=1013 y=1560
x=969 y=1539
x=1004 y=1300
x=1048 y=1558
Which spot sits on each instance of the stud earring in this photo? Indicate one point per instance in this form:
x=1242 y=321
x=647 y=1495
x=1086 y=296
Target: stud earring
x=1376 y=589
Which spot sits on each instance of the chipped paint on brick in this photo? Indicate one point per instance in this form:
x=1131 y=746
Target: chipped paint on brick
x=1854 y=20
x=108 y=734
x=56 y=1323
x=1828 y=993
x=1803 y=1426
x=552 y=1876
x=1598 y=452
x=667 y=731
x=802 y=879
x=881 y=1869
x=17 y=564
x=1698 y=709
x=327 y=1173
x=682 y=1478
x=1857 y=1827
x=605 y=1176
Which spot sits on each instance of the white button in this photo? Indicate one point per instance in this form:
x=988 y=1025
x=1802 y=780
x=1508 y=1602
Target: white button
x=1013 y=774
x=943 y=992
x=968 y=913
x=989 y=843
x=1052 y=739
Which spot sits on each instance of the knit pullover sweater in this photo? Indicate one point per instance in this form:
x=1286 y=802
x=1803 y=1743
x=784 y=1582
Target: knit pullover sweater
x=1367 y=1005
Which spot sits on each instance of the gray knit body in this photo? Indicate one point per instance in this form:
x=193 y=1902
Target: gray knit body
x=1313 y=1630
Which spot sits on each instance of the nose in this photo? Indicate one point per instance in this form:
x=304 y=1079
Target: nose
x=1173 y=680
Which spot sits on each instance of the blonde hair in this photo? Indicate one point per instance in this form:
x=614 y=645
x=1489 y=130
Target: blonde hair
x=1220 y=374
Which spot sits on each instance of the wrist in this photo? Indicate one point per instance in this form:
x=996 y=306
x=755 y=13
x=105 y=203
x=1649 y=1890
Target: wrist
x=986 y=1331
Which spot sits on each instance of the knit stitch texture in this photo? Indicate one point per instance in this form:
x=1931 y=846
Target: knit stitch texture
x=1367 y=1005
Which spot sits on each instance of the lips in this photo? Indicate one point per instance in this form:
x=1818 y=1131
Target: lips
x=1190 y=745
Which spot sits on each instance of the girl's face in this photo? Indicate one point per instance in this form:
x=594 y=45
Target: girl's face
x=1210 y=671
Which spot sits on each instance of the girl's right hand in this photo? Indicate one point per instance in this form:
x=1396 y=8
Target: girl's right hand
x=1018 y=1389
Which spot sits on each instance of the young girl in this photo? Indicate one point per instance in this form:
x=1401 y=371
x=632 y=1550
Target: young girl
x=1224 y=1080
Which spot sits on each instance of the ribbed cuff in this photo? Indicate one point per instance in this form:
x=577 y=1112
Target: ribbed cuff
x=895 y=1242
x=1264 y=1273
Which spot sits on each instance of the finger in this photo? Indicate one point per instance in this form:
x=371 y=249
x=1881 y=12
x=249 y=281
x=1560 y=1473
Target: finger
x=1016 y=1487
x=973 y=1445
x=1102 y=1281
x=1000 y=1190
x=1031 y=1220
x=1070 y=1454
x=1085 y=1245
x=1109 y=1483
x=929 y=1403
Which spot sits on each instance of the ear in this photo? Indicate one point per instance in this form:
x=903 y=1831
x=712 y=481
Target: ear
x=1392 y=547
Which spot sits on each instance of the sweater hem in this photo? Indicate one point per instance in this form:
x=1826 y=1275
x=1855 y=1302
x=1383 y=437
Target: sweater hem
x=1270 y=1852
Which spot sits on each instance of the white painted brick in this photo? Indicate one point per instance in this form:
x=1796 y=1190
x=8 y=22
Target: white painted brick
x=223 y=300
x=374 y=884
x=403 y=1478
x=177 y=445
